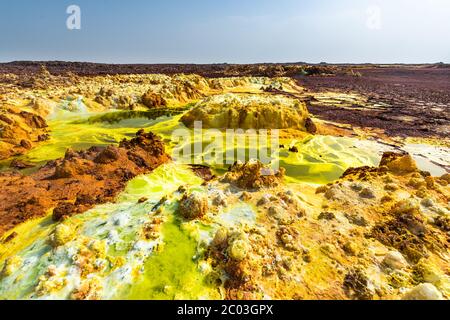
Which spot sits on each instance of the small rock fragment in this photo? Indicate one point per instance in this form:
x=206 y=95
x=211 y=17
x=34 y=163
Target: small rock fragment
x=63 y=234
x=194 y=205
x=367 y=193
x=395 y=260
x=424 y=291
x=239 y=249
x=351 y=248
x=327 y=216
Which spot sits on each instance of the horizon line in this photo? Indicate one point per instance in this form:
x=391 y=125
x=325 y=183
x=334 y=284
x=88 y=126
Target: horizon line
x=225 y=63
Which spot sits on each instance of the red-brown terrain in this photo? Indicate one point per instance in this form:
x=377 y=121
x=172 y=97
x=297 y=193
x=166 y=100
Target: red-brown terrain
x=78 y=181
x=417 y=99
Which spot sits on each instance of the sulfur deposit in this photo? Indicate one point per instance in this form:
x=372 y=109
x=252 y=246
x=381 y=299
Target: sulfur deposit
x=246 y=111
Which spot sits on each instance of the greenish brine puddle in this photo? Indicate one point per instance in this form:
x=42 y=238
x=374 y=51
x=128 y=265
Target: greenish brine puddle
x=174 y=273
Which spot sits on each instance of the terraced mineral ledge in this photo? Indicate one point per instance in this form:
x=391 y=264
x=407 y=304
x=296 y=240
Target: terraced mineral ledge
x=94 y=206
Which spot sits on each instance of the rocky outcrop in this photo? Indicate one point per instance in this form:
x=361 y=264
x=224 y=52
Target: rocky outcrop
x=398 y=162
x=253 y=175
x=153 y=100
x=424 y=291
x=20 y=131
x=78 y=181
x=193 y=205
x=376 y=233
x=403 y=217
x=247 y=111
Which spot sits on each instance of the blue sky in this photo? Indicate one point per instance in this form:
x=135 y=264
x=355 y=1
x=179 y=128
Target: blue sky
x=212 y=31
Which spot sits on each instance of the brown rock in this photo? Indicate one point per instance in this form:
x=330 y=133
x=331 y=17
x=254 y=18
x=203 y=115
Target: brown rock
x=203 y=172
x=62 y=210
x=253 y=175
x=26 y=144
x=293 y=149
x=142 y=200
x=310 y=126
x=20 y=164
x=398 y=162
x=5 y=119
x=193 y=206
x=75 y=183
x=153 y=100
x=110 y=154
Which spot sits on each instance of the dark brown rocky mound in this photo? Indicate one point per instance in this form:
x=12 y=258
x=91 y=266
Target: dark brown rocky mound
x=78 y=181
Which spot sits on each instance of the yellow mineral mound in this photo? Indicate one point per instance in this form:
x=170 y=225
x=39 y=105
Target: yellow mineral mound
x=248 y=111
